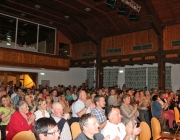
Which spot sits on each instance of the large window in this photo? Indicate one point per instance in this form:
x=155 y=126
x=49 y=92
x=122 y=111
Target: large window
x=46 y=40
x=7 y=31
x=25 y=35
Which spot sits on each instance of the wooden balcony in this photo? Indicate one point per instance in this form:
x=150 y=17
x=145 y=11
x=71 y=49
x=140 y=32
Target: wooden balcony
x=12 y=57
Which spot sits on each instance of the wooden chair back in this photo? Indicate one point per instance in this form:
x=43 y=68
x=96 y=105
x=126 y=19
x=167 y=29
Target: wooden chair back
x=156 y=128
x=24 y=135
x=146 y=132
x=75 y=129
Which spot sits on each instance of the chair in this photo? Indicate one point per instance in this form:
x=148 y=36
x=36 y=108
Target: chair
x=24 y=135
x=146 y=132
x=156 y=130
x=75 y=129
x=176 y=113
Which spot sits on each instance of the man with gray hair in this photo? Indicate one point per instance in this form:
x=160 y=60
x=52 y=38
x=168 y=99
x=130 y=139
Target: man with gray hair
x=57 y=115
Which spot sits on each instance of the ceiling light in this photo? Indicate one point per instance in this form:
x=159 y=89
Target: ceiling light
x=22 y=14
x=37 y=6
x=66 y=17
x=51 y=22
x=87 y=9
x=133 y=16
x=11 y=21
x=122 y=10
x=111 y=4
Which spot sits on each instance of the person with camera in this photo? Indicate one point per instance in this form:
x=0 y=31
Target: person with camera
x=129 y=112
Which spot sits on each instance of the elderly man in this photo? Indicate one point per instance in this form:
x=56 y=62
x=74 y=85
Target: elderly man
x=57 y=115
x=90 y=128
x=80 y=107
x=115 y=128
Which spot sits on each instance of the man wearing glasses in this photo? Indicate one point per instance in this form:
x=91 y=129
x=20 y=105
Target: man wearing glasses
x=46 y=129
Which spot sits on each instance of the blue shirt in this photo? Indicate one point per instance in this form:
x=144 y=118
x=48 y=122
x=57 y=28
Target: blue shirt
x=15 y=99
x=156 y=109
x=100 y=114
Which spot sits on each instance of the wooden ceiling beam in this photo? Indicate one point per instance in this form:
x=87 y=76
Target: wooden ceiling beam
x=153 y=17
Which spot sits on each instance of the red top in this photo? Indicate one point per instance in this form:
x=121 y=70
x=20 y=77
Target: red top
x=17 y=124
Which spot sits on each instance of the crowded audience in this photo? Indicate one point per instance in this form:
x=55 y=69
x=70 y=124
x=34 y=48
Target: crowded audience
x=107 y=113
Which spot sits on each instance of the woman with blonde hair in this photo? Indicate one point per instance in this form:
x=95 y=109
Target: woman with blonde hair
x=29 y=101
x=41 y=112
x=7 y=110
x=49 y=101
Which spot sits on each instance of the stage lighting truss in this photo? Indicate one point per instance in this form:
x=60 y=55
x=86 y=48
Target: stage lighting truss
x=132 y=4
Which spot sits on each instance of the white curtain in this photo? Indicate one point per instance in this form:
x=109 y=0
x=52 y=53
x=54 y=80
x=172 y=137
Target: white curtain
x=153 y=77
x=90 y=78
x=110 y=77
x=135 y=78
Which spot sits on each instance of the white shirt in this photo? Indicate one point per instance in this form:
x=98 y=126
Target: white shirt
x=77 y=107
x=74 y=96
x=39 y=115
x=13 y=95
x=112 y=130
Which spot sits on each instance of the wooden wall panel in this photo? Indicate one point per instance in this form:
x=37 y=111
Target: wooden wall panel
x=11 y=57
x=171 y=33
x=127 y=41
x=61 y=38
x=79 y=48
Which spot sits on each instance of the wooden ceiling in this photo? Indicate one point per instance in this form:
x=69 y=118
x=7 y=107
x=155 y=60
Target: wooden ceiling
x=99 y=22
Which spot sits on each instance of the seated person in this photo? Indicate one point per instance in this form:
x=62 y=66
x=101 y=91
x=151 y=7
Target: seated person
x=158 y=112
x=90 y=128
x=46 y=129
x=41 y=112
x=19 y=120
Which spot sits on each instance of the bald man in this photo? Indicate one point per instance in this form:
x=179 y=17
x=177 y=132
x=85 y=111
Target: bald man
x=57 y=115
x=80 y=107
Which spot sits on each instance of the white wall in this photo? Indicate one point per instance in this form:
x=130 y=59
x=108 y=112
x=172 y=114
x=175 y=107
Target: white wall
x=77 y=76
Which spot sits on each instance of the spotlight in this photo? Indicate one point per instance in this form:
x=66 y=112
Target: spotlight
x=111 y=4
x=134 y=17
x=122 y=10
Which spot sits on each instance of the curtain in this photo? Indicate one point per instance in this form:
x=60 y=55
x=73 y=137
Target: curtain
x=153 y=77
x=90 y=78
x=168 y=83
x=135 y=78
x=110 y=77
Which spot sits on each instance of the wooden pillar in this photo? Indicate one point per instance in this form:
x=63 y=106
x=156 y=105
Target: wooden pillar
x=161 y=66
x=5 y=79
x=99 y=68
x=17 y=80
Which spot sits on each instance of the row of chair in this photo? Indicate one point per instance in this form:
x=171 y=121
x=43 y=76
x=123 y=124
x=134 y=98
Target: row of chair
x=144 y=135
